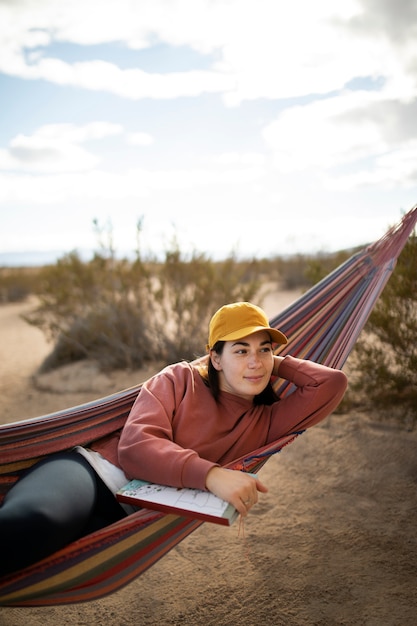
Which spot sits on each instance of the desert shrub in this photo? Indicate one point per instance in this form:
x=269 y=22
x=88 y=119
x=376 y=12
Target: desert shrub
x=96 y=309
x=17 y=283
x=384 y=360
x=292 y=271
x=321 y=265
x=124 y=313
x=188 y=293
x=304 y=270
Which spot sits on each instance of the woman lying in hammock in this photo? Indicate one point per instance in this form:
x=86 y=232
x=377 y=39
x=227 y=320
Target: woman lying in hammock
x=186 y=423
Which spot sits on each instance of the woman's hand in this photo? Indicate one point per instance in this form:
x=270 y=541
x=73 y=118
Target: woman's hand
x=236 y=487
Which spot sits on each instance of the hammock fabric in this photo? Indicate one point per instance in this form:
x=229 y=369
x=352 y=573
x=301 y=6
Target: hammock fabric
x=322 y=325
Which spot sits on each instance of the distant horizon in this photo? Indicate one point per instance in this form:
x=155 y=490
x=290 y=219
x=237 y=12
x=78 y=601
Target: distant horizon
x=31 y=258
x=40 y=258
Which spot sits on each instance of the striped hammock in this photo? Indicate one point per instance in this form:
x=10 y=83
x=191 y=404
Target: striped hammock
x=322 y=325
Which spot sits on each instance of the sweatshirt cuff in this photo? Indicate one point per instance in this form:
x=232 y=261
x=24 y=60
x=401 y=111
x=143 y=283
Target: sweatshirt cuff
x=288 y=368
x=195 y=471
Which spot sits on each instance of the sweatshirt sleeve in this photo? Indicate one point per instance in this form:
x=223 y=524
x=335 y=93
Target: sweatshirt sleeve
x=147 y=449
x=318 y=391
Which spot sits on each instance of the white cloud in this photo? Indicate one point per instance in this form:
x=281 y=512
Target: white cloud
x=63 y=183
x=324 y=134
x=240 y=158
x=56 y=148
x=387 y=171
x=263 y=48
x=128 y=83
x=29 y=26
x=352 y=140
x=140 y=139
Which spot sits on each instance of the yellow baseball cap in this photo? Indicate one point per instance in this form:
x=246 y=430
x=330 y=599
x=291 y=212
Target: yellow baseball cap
x=237 y=320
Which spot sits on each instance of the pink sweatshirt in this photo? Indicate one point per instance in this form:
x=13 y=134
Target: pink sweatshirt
x=176 y=432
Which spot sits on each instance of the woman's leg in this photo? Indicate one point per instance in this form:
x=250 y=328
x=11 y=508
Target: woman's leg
x=57 y=501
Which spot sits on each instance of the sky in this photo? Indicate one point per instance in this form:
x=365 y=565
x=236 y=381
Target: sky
x=252 y=127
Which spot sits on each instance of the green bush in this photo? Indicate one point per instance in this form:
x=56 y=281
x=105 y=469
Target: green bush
x=385 y=358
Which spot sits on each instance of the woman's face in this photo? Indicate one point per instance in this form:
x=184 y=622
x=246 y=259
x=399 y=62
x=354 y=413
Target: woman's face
x=245 y=365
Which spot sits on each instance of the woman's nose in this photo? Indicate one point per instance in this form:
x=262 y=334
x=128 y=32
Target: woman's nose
x=254 y=360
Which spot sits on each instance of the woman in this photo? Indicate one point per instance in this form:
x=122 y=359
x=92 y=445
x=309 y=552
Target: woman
x=186 y=423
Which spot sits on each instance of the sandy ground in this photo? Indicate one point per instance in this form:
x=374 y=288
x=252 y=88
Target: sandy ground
x=334 y=542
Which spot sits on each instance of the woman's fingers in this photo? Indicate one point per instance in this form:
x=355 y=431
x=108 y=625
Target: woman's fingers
x=238 y=488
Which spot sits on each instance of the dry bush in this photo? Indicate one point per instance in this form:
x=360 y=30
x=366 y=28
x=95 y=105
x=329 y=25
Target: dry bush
x=305 y=270
x=124 y=314
x=17 y=283
x=189 y=291
x=95 y=309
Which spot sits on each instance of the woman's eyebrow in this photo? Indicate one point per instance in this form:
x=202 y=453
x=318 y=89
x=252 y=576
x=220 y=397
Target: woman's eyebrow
x=246 y=343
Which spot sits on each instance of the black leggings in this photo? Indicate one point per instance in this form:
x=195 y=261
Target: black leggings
x=58 y=500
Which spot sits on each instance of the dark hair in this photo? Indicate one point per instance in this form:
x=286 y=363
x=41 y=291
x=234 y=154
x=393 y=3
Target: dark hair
x=267 y=396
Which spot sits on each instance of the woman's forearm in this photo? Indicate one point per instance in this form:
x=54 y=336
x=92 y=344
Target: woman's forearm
x=277 y=362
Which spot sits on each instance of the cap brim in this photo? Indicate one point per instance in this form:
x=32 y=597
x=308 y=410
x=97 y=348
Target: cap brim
x=276 y=335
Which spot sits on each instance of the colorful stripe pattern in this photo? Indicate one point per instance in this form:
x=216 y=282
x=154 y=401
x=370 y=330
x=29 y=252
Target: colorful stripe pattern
x=322 y=325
